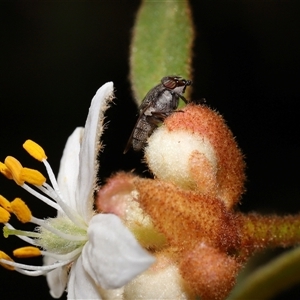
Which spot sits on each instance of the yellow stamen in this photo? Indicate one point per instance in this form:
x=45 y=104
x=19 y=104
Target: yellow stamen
x=15 y=167
x=5 y=203
x=5 y=171
x=35 y=150
x=21 y=210
x=5 y=256
x=32 y=176
x=4 y=215
x=26 y=252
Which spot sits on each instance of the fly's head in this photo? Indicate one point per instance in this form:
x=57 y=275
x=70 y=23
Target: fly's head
x=176 y=84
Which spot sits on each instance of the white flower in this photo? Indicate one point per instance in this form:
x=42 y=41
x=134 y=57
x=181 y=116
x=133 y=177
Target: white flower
x=84 y=251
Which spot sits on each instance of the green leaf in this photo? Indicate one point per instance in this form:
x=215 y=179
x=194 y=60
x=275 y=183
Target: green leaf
x=161 y=44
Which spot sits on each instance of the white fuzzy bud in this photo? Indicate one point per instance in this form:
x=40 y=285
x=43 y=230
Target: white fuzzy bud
x=169 y=155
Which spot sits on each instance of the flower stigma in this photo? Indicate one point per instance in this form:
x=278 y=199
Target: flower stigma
x=61 y=238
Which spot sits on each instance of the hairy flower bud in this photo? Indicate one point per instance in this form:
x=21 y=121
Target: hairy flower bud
x=209 y=272
x=195 y=149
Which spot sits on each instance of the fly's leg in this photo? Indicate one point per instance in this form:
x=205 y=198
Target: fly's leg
x=159 y=117
x=180 y=96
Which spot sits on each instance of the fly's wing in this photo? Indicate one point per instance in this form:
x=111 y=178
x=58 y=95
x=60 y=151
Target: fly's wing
x=149 y=100
x=129 y=143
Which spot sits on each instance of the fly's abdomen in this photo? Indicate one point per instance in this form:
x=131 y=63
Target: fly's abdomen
x=142 y=131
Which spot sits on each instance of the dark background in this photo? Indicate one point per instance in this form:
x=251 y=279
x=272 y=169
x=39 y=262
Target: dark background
x=56 y=54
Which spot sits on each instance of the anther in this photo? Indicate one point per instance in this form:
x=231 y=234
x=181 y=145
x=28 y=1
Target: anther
x=32 y=176
x=26 y=252
x=35 y=150
x=4 y=215
x=3 y=264
x=15 y=167
x=5 y=203
x=21 y=210
x=5 y=171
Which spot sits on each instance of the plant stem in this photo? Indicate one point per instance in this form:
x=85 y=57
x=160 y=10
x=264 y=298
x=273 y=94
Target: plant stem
x=259 y=231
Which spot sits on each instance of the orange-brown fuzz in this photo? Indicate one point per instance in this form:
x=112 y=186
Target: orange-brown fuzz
x=205 y=176
x=186 y=217
x=111 y=198
x=209 y=272
x=208 y=123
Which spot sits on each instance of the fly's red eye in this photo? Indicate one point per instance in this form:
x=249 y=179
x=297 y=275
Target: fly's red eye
x=170 y=83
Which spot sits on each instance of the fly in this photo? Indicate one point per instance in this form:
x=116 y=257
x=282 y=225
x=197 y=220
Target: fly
x=158 y=104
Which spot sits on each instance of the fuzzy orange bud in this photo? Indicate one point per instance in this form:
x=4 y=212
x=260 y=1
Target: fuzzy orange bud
x=196 y=150
x=186 y=217
x=113 y=196
x=119 y=196
x=209 y=272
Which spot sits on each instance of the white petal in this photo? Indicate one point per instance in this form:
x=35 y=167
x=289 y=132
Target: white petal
x=89 y=149
x=69 y=167
x=81 y=285
x=56 y=279
x=112 y=256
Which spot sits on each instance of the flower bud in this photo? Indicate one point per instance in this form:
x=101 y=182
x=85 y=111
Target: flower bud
x=195 y=150
x=209 y=272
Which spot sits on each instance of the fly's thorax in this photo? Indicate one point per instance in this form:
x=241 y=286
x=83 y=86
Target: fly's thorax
x=166 y=102
x=151 y=96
